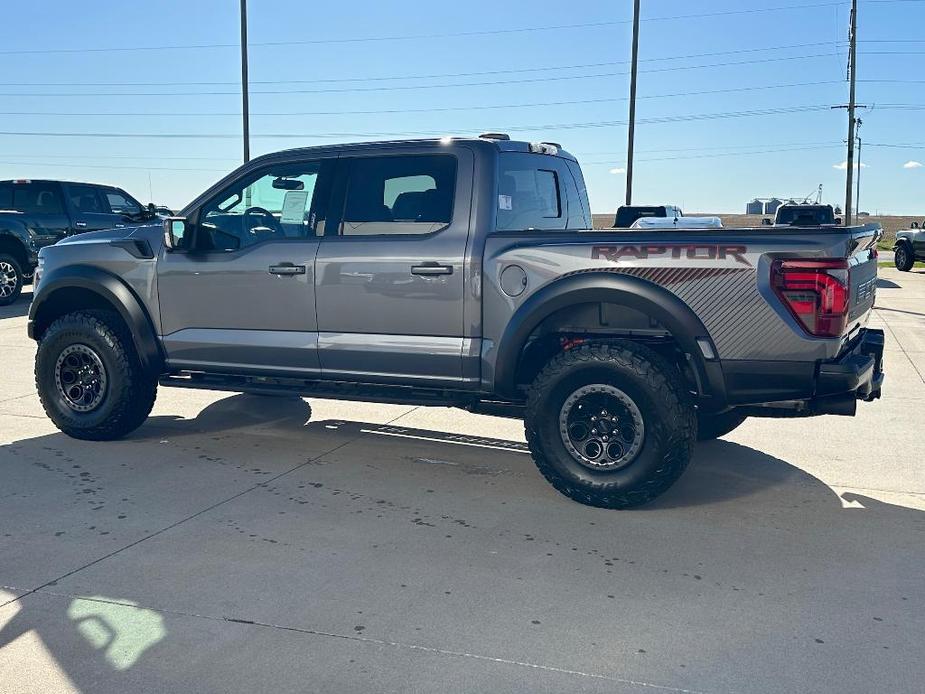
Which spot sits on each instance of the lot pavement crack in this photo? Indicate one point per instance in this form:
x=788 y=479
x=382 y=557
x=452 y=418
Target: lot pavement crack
x=385 y=642
x=190 y=517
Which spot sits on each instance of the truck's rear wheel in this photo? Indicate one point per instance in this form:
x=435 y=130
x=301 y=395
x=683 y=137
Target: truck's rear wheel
x=89 y=378
x=712 y=426
x=903 y=258
x=11 y=279
x=610 y=425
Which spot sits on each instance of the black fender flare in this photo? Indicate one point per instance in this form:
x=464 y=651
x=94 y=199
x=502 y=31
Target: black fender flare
x=902 y=241
x=19 y=232
x=113 y=290
x=612 y=288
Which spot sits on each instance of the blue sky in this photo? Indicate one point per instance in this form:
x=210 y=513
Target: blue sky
x=705 y=137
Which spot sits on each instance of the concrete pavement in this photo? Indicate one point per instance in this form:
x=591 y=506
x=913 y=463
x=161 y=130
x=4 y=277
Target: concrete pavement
x=236 y=543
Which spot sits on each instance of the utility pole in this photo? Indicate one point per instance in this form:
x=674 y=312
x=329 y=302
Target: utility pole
x=857 y=196
x=244 y=106
x=632 y=121
x=852 y=74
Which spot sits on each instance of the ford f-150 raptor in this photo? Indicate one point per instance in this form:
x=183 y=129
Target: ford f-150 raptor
x=461 y=272
x=36 y=213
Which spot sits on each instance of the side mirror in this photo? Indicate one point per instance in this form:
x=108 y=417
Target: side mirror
x=838 y=220
x=765 y=222
x=175 y=233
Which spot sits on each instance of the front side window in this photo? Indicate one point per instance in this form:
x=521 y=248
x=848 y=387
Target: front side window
x=274 y=204
x=399 y=195
x=6 y=196
x=528 y=194
x=120 y=203
x=86 y=198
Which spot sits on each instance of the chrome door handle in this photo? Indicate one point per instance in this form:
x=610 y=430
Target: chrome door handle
x=431 y=269
x=80 y=225
x=287 y=269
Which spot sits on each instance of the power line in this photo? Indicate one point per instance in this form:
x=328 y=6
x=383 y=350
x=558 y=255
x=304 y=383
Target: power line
x=435 y=109
x=425 y=86
x=434 y=133
x=444 y=75
x=414 y=37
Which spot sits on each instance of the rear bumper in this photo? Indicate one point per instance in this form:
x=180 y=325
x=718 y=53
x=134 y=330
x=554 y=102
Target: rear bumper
x=857 y=372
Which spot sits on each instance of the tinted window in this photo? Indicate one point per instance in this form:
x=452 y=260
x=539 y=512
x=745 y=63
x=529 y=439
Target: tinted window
x=121 y=204
x=6 y=196
x=275 y=204
x=805 y=216
x=86 y=198
x=399 y=195
x=584 y=207
x=529 y=194
x=37 y=198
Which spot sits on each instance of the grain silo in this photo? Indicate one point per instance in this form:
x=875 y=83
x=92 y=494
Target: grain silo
x=770 y=207
x=754 y=207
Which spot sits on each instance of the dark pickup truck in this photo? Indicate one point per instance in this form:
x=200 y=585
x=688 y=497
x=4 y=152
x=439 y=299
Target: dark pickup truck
x=34 y=214
x=462 y=272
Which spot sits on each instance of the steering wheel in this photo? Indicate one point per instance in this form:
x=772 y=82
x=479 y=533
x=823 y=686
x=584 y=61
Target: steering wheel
x=270 y=223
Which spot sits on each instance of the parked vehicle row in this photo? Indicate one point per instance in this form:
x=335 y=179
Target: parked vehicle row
x=35 y=214
x=465 y=273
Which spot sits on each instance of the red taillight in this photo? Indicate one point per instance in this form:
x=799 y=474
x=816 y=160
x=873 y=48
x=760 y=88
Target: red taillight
x=816 y=292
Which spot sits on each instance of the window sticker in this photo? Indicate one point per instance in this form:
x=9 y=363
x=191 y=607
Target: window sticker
x=505 y=202
x=294 y=207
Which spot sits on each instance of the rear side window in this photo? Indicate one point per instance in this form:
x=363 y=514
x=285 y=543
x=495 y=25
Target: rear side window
x=529 y=193
x=37 y=198
x=6 y=196
x=86 y=199
x=399 y=195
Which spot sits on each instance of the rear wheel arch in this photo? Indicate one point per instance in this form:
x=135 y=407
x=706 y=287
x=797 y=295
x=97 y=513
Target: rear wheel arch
x=637 y=297
x=82 y=288
x=12 y=245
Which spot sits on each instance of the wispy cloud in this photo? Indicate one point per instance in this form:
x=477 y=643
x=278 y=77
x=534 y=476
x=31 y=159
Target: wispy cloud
x=912 y=165
x=621 y=170
x=844 y=165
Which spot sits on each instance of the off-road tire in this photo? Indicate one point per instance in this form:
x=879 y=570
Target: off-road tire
x=656 y=388
x=129 y=393
x=9 y=265
x=712 y=426
x=903 y=258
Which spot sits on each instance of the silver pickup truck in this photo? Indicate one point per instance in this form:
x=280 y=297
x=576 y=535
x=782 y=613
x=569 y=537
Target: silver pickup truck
x=461 y=272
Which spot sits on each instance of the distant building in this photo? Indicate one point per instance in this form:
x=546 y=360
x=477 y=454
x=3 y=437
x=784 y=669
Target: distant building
x=754 y=207
x=770 y=207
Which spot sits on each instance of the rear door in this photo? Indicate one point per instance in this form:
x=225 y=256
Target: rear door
x=43 y=207
x=390 y=283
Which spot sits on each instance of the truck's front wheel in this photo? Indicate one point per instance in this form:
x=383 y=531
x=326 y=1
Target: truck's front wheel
x=89 y=378
x=903 y=257
x=610 y=425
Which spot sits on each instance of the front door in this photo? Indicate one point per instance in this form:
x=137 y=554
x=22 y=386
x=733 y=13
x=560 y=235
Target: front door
x=91 y=209
x=390 y=271
x=240 y=299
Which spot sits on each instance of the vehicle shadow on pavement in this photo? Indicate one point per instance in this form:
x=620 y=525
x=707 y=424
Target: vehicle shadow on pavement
x=18 y=308
x=733 y=498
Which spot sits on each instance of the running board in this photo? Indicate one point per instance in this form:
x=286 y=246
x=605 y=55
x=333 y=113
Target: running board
x=334 y=390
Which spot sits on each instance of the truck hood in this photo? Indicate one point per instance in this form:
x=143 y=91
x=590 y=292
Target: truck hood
x=141 y=230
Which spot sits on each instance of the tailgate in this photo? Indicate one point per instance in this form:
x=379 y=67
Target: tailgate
x=862 y=266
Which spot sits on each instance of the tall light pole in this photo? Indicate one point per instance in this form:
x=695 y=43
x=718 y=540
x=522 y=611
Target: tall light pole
x=852 y=74
x=244 y=106
x=632 y=120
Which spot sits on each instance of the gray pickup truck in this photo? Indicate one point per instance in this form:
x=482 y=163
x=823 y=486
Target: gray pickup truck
x=461 y=272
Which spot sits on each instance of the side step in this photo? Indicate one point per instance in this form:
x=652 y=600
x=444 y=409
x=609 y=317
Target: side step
x=334 y=390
